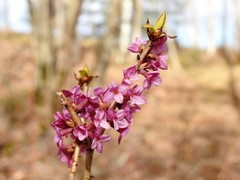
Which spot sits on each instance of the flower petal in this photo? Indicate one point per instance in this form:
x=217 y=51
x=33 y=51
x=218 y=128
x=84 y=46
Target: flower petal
x=118 y=98
x=105 y=137
x=104 y=124
x=99 y=147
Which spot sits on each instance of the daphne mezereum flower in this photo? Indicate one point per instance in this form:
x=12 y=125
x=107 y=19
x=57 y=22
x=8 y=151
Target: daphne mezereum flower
x=73 y=94
x=101 y=118
x=137 y=46
x=136 y=96
x=122 y=133
x=118 y=120
x=61 y=123
x=80 y=132
x=65 y=154
x=153 y=78
x=130 y=75
x=115 y=92
x=98 y=140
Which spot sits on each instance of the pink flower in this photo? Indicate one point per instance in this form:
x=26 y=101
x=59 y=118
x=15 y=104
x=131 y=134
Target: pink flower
x=136 y=46
x=123 y=133
x=137 y=96
x=58 y=139
x=153 y=78
x=163 y=62
x=159 y=50
x=120 y=122
x=60 y=119
x=159 y=63
x=115 y=92
x=99 y=91
x=65 y=154
x=80 y=132
x=60 y=125
x=160 y=42
x=72 y=95
x=100 y=119
x=75 y=91
x=130 y=75
x=98 y=140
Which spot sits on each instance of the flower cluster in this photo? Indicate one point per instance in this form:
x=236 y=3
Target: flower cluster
x=100 y=109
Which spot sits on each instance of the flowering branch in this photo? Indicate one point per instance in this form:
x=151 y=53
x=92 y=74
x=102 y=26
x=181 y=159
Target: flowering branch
x=89 y=113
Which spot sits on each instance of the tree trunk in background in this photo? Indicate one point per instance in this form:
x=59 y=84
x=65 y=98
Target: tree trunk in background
x=53 y=46
x=211 y=49
x=43 y=46
x=173 y=56
x=236 y=4
x=231 y=58
x=5 y=15
x=193 y=21
x=107 y=50
x=136 y=20
x=125 y=28
x=67 y=48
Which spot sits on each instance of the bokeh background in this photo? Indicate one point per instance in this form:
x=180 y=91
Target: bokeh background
x=190 y=127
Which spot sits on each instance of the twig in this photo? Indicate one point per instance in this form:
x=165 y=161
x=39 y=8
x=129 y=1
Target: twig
x=73 y=168
x=69 y=107
x=88 y=164
x=144 y=53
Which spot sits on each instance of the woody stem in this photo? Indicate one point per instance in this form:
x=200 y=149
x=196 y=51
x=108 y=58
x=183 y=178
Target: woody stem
x=88 y=164
x=144 y=53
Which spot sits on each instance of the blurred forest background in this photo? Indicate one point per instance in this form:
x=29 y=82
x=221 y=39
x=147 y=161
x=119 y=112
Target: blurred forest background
x=190 y=128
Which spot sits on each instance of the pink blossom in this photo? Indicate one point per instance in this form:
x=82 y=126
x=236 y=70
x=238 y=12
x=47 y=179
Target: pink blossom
x=61 y=118
x=99 y=91
x=152 y=78
x=119 y=120
x=160 y=42
x=159 y=63
x=115 y=92
x=100 y=119
x=73 y=94
x=136 y=46
x=137 y=96
x=130 y=75
x=65 y=155
x=123 y=133
x=58 y=139
x=80 y=132
x=60 y=123
x=163 y=62
x=98 y=140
